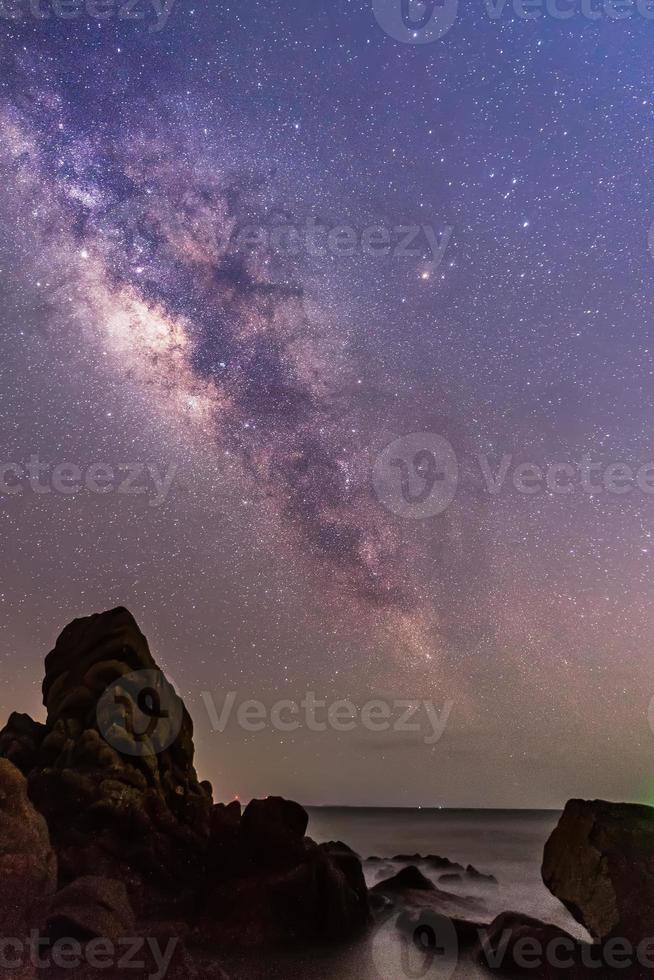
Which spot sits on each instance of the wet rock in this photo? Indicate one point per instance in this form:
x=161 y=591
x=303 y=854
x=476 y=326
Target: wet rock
x=442 y=864
x=410 y=878
x=517 y=945
x=478 y=877
x=426 y=928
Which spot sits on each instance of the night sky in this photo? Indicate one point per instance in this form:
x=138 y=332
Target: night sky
x=138 y=329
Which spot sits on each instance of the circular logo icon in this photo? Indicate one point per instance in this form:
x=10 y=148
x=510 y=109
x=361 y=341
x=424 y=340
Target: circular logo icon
x=428 y=948
x=416 y=21
x=140 y=713
x=416 y=476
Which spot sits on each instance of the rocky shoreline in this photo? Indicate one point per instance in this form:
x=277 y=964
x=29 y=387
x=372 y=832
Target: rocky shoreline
x=107 y=837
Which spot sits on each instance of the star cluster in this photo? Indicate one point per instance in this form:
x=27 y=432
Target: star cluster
x=138 y=328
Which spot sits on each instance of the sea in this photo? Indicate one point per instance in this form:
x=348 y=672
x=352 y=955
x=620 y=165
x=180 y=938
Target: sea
x=507 y=844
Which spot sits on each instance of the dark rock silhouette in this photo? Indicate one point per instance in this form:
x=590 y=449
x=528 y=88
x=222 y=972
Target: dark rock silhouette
x=599 y=862
x=20 y=741
x=442 y=864
x=137 y=839
x=427 y=929
x=479 y=878
x=273 y=830
x=89 y=908
x=517 y=945
x=28 y=866
x=408 y=878
x=268 y=884
x=142 y=818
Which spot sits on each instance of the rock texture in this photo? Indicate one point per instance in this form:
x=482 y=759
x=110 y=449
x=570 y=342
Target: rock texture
x=142 y=818
x=106 y=790
x=89 y=908
x=269 y=885
x=20 y=741
x=28 y=866
x=516 y=945
x=411 y=878
x=600 y=863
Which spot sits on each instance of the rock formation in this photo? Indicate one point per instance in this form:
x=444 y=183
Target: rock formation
x=519 y=946
x=138 y=840
x=28 y=866
x=599 y=862
x=115 y=807
x=410 y=877
x=268 y=884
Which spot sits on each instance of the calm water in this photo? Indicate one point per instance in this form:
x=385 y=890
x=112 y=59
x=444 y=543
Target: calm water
x=507 y=844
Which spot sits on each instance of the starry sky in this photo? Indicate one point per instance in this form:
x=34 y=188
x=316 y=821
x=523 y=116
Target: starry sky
x=138 y=331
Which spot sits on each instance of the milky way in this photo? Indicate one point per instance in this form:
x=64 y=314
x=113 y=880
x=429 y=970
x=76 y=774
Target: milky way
x=151 y=245
x=139 y=328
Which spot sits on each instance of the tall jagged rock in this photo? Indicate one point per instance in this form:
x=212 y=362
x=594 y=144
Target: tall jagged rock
x=118 y=803
x=111 y=771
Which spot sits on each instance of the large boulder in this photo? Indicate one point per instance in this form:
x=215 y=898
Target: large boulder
x=516 y=945
x=599 y=862
x=28 y=865
x=273 y=830
x=268 y=885
x=121 y=798
x=91 y=908
x=20 y=741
